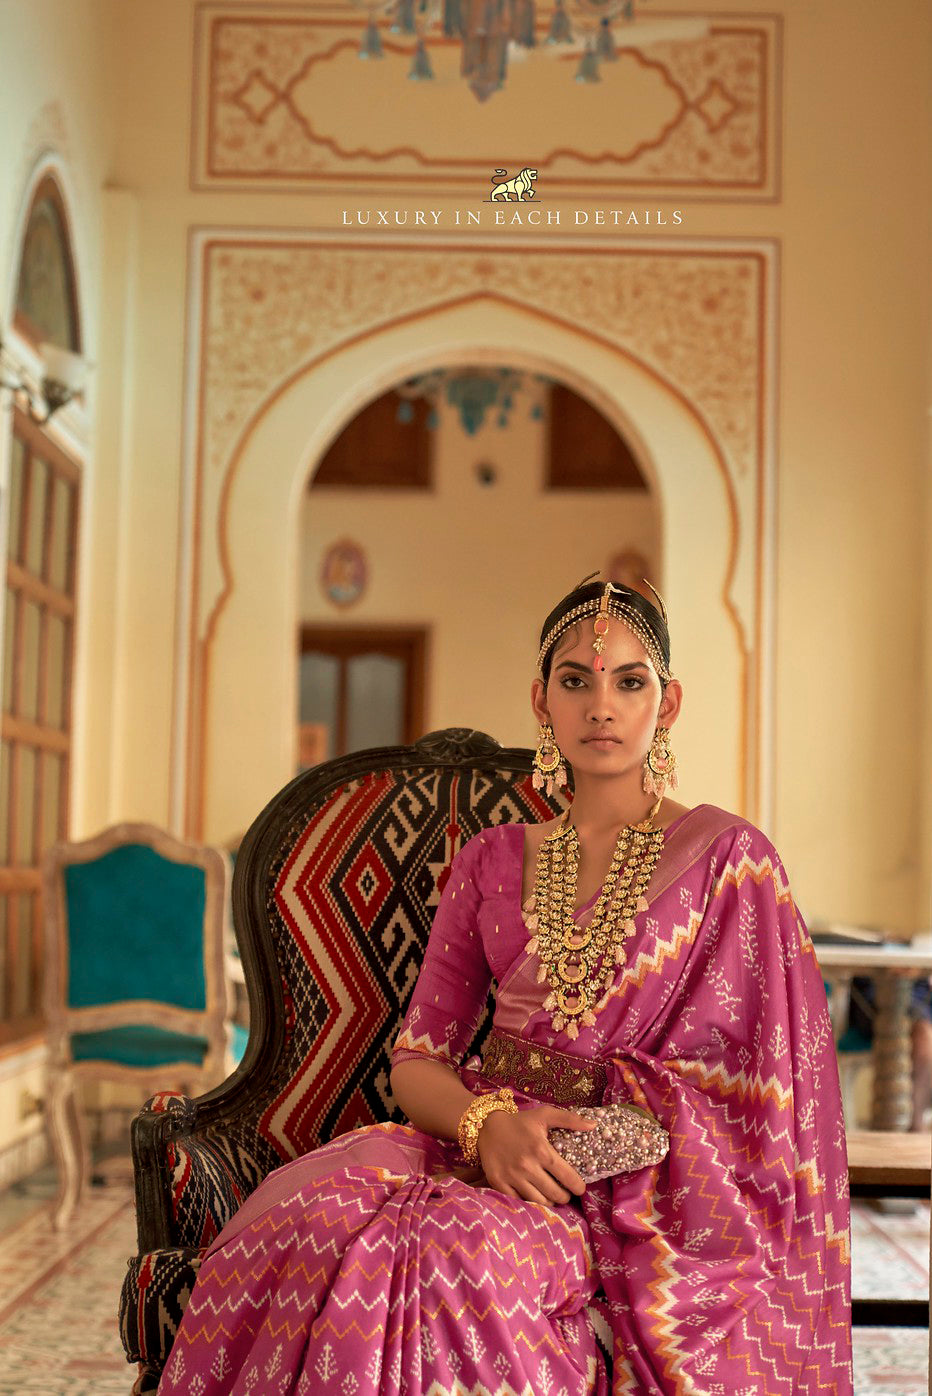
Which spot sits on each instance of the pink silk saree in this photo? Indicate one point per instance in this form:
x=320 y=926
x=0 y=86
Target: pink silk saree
x=368 y=1267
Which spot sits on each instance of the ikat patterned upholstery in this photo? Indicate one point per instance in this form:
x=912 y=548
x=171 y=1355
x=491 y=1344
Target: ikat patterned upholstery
x=334 y=892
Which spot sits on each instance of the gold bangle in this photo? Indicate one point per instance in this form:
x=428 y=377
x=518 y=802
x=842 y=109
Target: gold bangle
x=473 y=1117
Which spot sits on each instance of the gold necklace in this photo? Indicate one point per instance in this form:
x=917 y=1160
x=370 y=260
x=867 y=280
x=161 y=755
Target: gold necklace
x=579 y=962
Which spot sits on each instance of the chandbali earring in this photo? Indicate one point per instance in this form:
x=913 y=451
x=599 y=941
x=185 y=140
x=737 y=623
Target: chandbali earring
x=549 y=770
x=660 y=765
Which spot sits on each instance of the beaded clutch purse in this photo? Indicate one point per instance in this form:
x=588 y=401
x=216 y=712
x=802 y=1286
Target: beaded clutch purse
x=627 y=1138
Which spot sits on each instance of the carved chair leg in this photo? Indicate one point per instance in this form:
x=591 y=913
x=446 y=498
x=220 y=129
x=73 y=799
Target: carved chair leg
x=147 y=1381
x=69 y=1144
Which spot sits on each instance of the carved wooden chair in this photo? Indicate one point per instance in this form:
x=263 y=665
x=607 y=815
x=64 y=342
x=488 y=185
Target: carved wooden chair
x=135 y=977
x=333 y=895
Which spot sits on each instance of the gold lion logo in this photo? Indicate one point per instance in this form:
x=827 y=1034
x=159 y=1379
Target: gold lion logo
x=519 y=187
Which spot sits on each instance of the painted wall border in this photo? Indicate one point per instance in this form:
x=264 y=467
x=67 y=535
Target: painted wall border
x=201 y=176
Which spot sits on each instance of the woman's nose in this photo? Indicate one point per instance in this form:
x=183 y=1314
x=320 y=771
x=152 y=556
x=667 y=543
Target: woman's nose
x=599 y=708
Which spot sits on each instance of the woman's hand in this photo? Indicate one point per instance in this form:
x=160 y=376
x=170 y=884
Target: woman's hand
x=519 y=1160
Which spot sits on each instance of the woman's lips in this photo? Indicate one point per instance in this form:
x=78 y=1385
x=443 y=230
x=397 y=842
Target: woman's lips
x=601 y=741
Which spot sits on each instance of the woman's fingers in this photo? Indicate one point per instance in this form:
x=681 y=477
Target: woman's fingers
x=519 y=1159
x=531 y=1194
x=566 y=1119
x=533 y=1181
x=540 y=1187
x=565 y=1173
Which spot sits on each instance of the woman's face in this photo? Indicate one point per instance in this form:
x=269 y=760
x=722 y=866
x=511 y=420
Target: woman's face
x=604 y=721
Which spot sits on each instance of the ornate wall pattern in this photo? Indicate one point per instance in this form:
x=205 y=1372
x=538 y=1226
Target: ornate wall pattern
x=692 y=315
x=697 y=118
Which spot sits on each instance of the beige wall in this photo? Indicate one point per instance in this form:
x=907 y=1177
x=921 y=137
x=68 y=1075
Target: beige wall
x=107 y=87
x=56 y=112
x=853 y=330
x=467 y=563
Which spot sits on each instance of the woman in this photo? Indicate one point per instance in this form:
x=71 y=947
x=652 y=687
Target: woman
x=644 y=953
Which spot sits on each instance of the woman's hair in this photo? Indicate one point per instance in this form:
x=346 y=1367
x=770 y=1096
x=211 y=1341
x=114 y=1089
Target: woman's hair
x=645 y=611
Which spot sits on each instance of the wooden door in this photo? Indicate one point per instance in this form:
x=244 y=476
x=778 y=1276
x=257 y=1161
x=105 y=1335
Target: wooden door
x=358 y=688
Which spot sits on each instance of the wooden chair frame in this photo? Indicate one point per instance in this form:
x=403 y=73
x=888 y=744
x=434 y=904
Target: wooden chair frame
x=66 y=1124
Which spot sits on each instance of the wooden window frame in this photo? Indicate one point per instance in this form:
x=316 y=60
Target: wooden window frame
x=407 y=643
x=48 y=188
x=38 y=735
x=571 y=421
x=344 y=459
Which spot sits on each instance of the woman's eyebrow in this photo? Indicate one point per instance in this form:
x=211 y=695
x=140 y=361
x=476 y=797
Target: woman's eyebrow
x=584 y=668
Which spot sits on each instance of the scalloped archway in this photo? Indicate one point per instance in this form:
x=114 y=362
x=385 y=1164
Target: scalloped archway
x=243 y=722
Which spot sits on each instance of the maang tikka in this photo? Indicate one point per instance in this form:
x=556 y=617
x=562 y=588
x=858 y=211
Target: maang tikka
x=549 y=770
x=660 y=765
x=600 y=629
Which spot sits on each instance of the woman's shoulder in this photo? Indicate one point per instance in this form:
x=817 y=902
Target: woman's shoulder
x=700 y=826
x=716 y=827
x=483 y=855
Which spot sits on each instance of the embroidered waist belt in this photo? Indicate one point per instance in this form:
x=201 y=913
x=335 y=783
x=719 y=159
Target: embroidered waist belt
x=543 y=1072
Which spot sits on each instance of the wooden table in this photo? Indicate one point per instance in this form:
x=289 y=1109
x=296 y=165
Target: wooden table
x=884 y=1165
x=892 y=1103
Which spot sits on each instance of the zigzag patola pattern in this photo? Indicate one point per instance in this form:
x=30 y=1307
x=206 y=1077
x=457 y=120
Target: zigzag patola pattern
x=748 y=1229
x=365 y=1269
x=374 y=1275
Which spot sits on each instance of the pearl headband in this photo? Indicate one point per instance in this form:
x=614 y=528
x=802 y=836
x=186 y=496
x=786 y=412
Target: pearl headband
x=601 y=607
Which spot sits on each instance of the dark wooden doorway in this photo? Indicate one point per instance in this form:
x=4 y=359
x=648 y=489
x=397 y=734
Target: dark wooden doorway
x=359 y=688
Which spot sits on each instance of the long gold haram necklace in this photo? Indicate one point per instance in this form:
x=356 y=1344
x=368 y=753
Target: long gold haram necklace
x=579 y=962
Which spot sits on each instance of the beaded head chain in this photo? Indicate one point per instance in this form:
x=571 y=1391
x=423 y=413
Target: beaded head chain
x=616 y=602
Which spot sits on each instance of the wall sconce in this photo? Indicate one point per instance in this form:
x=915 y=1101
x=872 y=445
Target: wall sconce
x=63 y=376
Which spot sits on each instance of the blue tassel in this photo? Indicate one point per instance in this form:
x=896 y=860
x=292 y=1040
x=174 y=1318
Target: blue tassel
x=421 y=71
x=588 y=70
x=605 y=43
x=522 y=23
x=452 y=19
x=561 y=31
x=371 y=46
x=403 y=23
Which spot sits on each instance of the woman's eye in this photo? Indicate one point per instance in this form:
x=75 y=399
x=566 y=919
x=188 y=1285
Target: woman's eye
x=632 y=681
x=571 y=681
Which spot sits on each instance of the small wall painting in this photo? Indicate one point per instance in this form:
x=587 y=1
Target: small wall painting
x=344 y=573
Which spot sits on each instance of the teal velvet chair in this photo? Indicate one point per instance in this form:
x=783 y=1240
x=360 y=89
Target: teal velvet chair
x=136 y=981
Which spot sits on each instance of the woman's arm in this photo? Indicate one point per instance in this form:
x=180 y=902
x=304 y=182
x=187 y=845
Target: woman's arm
x=432 y=1096
x=517 y=1157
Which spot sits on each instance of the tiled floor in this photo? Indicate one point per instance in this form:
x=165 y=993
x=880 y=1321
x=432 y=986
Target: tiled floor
x=59 y=1293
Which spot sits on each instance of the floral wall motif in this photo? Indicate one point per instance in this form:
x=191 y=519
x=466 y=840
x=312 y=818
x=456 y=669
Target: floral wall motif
x=694 y=315
x=697 y=117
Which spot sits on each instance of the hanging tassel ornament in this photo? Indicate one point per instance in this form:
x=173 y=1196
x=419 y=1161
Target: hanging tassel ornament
x=453 y=19
x=561 y=31
x=549 y=770
x=421 y=70
x=403 y=21
x=605 y=42
x=522 y=23
x=659 y=765
x=588 y=70
x=371 y=46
